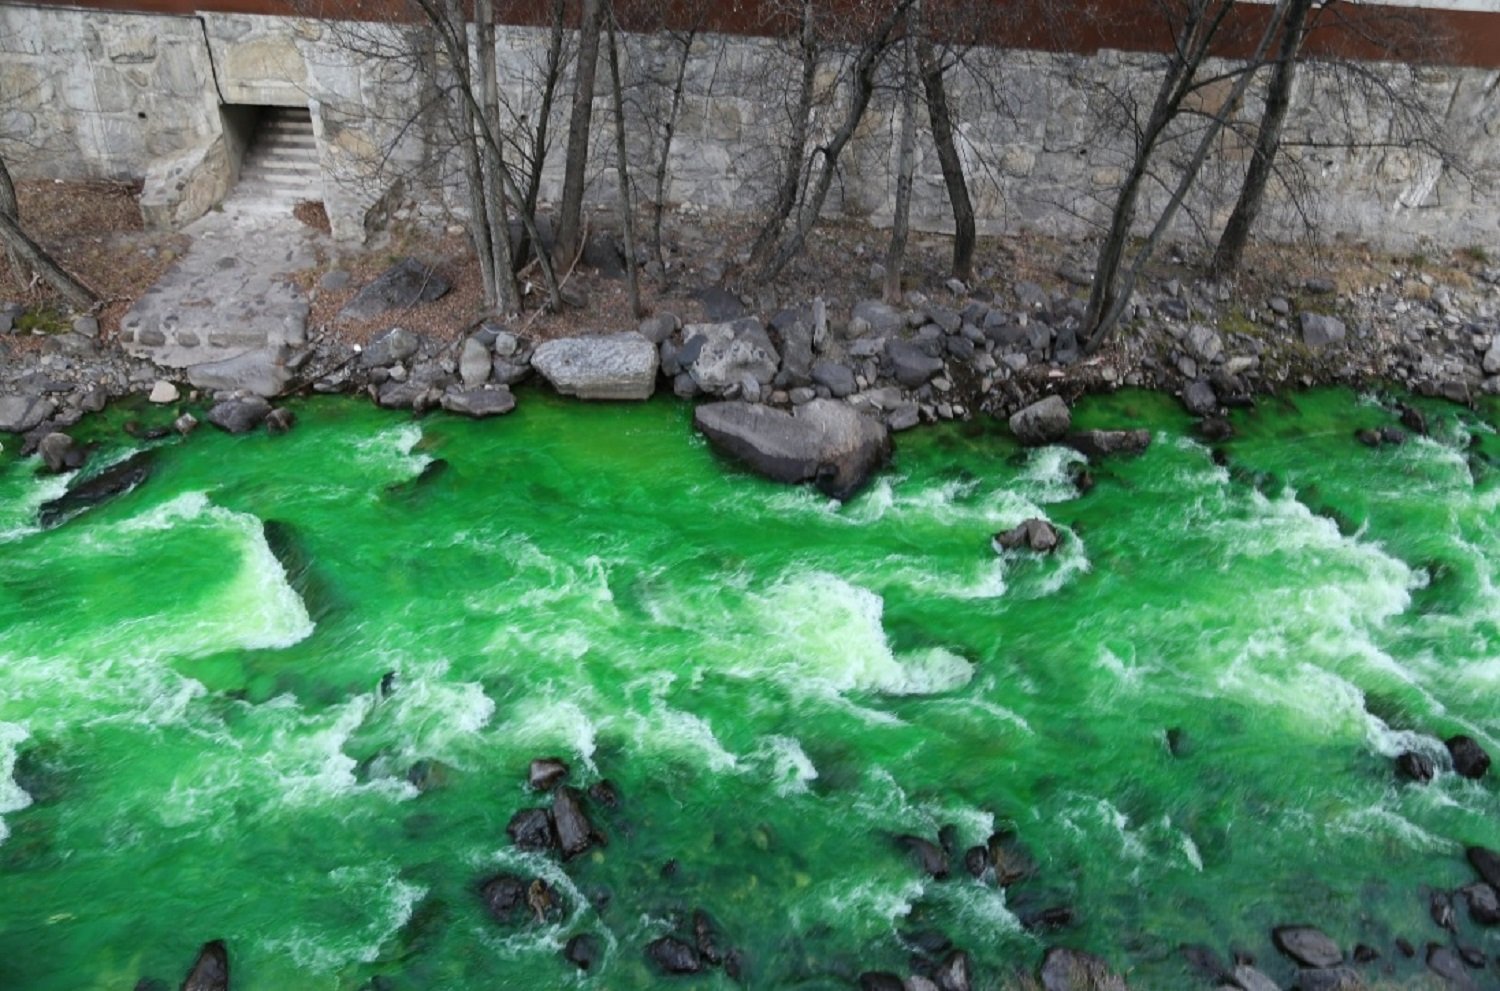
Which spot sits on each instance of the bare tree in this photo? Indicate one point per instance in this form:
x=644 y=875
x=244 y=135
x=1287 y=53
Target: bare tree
x=570 y=210
x=622 y=167
x=906 y=155
x=1197 y=27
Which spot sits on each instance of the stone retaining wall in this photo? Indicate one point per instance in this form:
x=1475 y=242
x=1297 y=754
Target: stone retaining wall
x=95 y=94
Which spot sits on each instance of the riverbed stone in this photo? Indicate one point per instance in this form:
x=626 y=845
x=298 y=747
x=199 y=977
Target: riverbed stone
x=1073 y=970
x=673 y=956
x=163 y=393
x=835 y=376
x=1484 y=903
x=911 y=365
x=1486 y=863
x=725 y=355
x=475 y=364
x=1307 y=945
x=20 y=413
x=1320 y=330
x=544 y=772
x=575 y=834
x=824 y=441
x=1199 y=398
x=263 y=371
x=871 y=316
x=1033 y=534
x=406 y=283
x=602 y=366
x=1469 y=759
x=531 y=829
x=1414 y=766
x=1043 y=422
x=1105 y=443
x=395 y=345
x=210 y=971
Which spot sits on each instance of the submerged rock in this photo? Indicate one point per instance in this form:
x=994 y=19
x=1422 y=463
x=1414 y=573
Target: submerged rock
x=545 y=772
x=1034 y=534
x=1104 y=443
x=824 y=441
x=611 y=366
x=531 y=829
x=927 y=855
x=1329 y=979
x=1469 y=758
x=1307 y=945
x=955 y=973
x=575 y=834
x=1044 y=422
x=479 y=403
x=1448 y=965
x=211 y=970
x=113 y=481
x=60 y=454
x=510 y=899
x=1487 y=863
x=673 y=956
x=1484 y=904
x=880 y=980
x=583 y=951
x=1074 y=970
x=1415 y=767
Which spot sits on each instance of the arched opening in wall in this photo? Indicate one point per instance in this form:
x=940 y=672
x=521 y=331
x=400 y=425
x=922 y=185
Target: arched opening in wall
x=278 y=165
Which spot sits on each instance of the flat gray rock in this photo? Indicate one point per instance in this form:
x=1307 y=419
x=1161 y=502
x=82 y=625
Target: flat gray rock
x=1319 y=331
x=824 y=441
x=262 y=371
x=870 y=316
x=1308 y=946
x=612 y=366
x=396 y=344
x=406 y=283
x=239 y=416
x=479 y=403
x=19 y=414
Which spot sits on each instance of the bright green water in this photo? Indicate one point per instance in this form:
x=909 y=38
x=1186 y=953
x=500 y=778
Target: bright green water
x=776 y=683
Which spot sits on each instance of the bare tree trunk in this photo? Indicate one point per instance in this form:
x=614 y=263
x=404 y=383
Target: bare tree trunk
x=669 y=131
x=33 y=256
x=1231 y=248
x=496 y=218
x=537 y=160
x=865 y=66
x=1190 y=48
x=1110 y=315
x=570 y=215
x=941 y=118
x=469 y=141
x=627 y=205
x=791 y=175
x=895 y=256
x=10 y=207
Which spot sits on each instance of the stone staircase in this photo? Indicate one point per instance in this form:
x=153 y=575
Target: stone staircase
x=281 y=166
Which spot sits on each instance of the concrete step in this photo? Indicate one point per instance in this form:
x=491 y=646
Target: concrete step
x=282 y=166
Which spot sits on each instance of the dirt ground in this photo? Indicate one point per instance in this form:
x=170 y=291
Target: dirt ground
x=95 y=230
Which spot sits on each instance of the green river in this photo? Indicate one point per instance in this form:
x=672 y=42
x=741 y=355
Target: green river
x=1188 y=714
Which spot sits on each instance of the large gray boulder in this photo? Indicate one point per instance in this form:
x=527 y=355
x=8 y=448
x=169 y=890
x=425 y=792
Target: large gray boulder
x=824 y=441
x=729 y=354
x=911 y=365
x=262 y=371
x=608 y=366
x=239 y=416
x=1319 y=331
x=474 y=365
x=211 y=970
x=871 y=316
x=1044 y=422
x=404 y=284
x=21 y=413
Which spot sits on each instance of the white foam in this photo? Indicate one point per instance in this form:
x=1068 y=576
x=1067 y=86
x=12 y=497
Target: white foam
x=18 y=515
x=389 y=452
x=13 y=797
x=786 y=763
x=557 y=726
x=1378 y=820
x=371 y=893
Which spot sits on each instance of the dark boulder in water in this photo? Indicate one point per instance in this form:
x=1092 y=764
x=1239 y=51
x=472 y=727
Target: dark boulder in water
x=673 y=956
x=60 y=454
x=926 y=855
x=545 y=772
x=605 y=793
x=1045 y=421
x=1404 y=946
x=706 y=936
x=1034 y=534
x=1440 y=907
x=1246 y=977
x=113 y=481
x=1469 y=758
x=511 y=899
x=1214 y=429
x=1487 y=863
x=1204 y=960
x=1415 y=767
x=1484 y=904
x=1309 y=946
x=575 y=833
x=1051 y=917
x=280 y=421
x=1364 y=953
x=1010 y=858
x=531 y=829
x=824 y=442
x=1074 y=970
x=1104 y=443
x=239 y=416
x=955 y=973
x=1414 y=420
x=211 y=970
x=583 y=951
x=976 y=860
x=880 y=980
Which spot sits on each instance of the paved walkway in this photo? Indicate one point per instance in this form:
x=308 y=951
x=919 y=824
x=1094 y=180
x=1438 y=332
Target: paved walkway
x=228 y=314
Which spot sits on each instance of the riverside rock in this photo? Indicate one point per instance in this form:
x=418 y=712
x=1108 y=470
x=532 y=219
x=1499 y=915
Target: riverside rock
x=1044 y=422
x=926 y=854
x=727 y=354
x=211 y=970
x=824 y=441
x=19 y=414
x=1308 y=946
x=479 y=403
x=1104 y=443
x=475 y=364
x=239 y=416
x=396 y=344
x=1033 y=534
x=406 y=283
x=116 y=480
x=575 y=834
x=544 y=772
x=604 y=366
x=59 y=454
x=1319 y=331
x=1469 y=758
x=1074 y=970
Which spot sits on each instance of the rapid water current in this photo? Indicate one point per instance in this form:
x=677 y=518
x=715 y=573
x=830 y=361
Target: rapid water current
x=1187 y=715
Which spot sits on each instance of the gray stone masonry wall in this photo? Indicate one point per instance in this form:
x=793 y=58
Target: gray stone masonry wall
x=89 y=94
